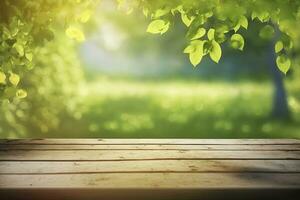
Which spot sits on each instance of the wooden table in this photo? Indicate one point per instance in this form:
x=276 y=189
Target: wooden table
x=150 y=169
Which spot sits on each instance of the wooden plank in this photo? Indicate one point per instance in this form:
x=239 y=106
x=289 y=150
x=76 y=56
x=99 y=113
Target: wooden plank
x=159 y=181
x=149 y=194
x=153 y=166
x=105 y=155
x=259 y=147
x=92 y=168
x=150 y=141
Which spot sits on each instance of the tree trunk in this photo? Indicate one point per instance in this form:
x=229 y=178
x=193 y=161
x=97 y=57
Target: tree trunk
x=280 y=109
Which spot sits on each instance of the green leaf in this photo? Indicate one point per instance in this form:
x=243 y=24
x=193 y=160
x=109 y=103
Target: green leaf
x=75 y=33
x=165 y=29
x=195 y=50
x=278 y=46
x=262 y=16
x=14 y=79
x=243 y=22
x=21 y=93
x=237 y=27
x=199 y=34
x=178 y=8
x=220 y=37
x=215 y=52
x=253 y=15
x=283 y=63
x=2 y=78
x=196 y=57
x=237 y=41
x=267 y=32
x=209 y=14
x=19 y=48
x=286 y=41
x=189 y=49
x=187 y=20
x=29 y=56
x=211 y=34
x=85 y=16
x=158 y=26
x=161 y=12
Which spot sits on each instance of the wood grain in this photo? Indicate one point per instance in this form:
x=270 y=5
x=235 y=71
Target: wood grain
x=223 y=147
x=150 y=166
x=149 y=169
x=106 y=155
x=150 y=141
x=158 y=180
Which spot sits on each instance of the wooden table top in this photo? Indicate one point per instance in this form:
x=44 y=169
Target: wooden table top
x=149 y=168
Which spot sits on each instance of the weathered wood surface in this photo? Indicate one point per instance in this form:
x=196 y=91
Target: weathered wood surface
x=149 y=169
x=150 y=141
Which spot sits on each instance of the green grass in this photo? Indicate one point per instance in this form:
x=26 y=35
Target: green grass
x=178 y=109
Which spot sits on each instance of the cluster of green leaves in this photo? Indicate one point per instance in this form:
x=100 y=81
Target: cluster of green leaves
x=16 y=55
x=39 y=62
x=53 y=88
x=213 y=22
x=25 y=26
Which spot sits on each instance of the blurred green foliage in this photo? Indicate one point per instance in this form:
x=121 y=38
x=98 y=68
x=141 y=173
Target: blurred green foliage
x=26 y=26
x=53 y=91
x=126 y=108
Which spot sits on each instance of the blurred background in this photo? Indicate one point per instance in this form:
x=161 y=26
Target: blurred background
x=123 y=82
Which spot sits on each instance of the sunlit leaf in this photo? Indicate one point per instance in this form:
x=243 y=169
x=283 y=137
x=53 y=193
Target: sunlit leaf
x=178 y=8
x=215 y=52
x=158 y=26
x=220 y=37
x=211 y=34
x=263 y=16
x=29 y=56
x=253 y=15
x=19 y=48
x=187 y=20
x=200 y=33
x=287 y=42
x=85 y=16
x=283 y=63
x=2 y=78
x=237 y=41
x=21 y=93
x=196 y=57
x=161 y=12
x=243 y=22
x=75 y=33
x=189 y=49
x=278 y=46
x=209 y=14
x=237 y=27
x=195 y=50
x=14 y=79
x=166 y=28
